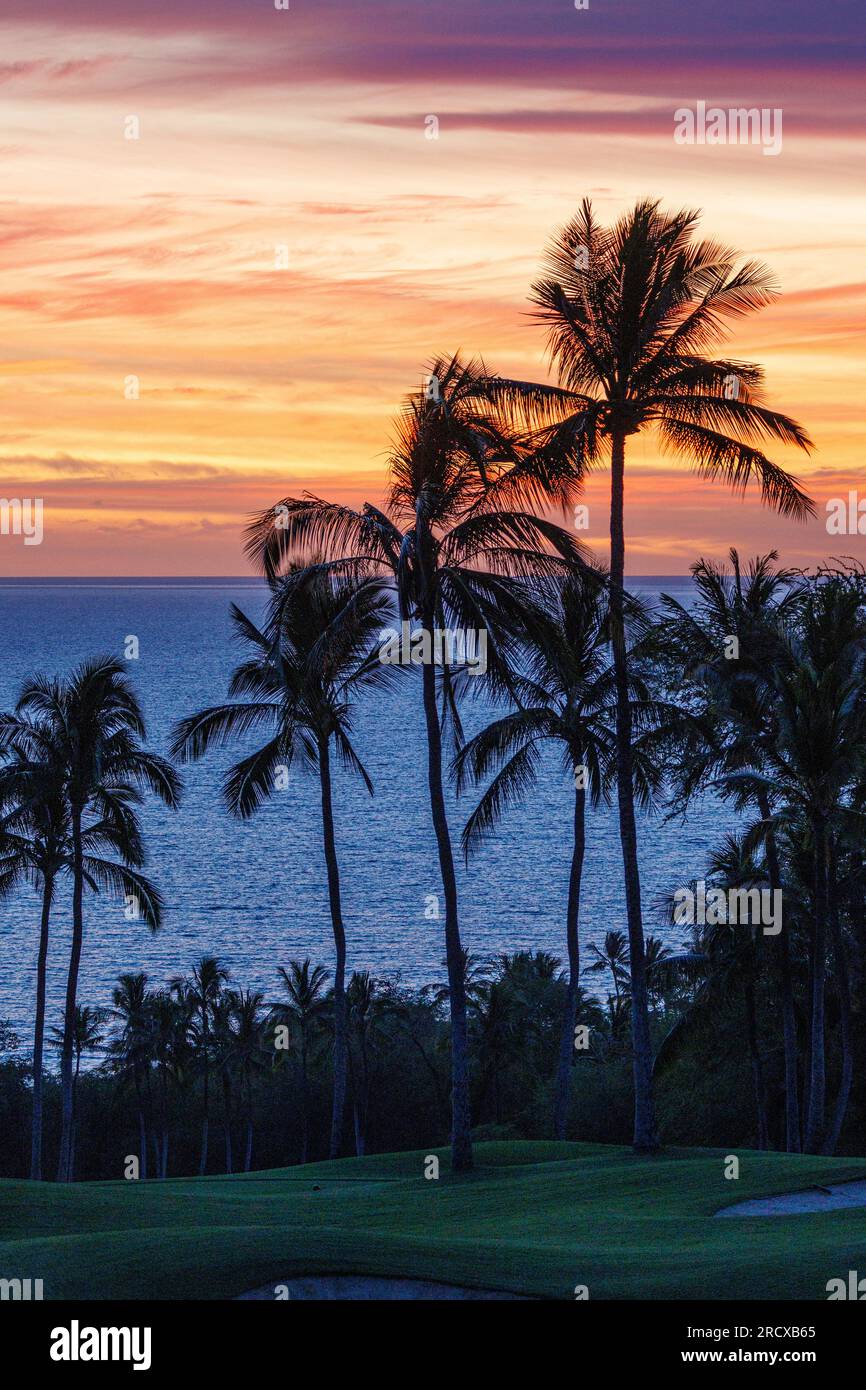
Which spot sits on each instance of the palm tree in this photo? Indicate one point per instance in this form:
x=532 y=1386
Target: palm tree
x=737 y=722
x=34 y=847
x=611 y=957
x=133 y=1048
x=89 y=729
x=247 y=1054
x=567 y=699
x=497 y=1023
x=452 y=533
x=629 y=312
x=818 y=685
x=304 y=1014
x=201 y=994
x=222 y=1045
x=238 y=1033
x=170 y=1025
x=303 y=672
x=726 y=960
x=370 y=1003
x=87 y=1036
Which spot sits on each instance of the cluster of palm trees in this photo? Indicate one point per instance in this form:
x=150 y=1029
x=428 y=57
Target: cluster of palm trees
x=201 y=1032
x=202 y=1051
x=72 y=778
x=475 y=468
x=465 y=541
x=166 y=1039
x=779 y=729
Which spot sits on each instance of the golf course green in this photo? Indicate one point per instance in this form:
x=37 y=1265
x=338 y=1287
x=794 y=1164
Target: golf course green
x=534 y=1218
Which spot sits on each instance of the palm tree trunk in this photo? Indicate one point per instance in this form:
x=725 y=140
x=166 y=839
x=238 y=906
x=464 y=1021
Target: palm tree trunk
x=461 y=1141
x=64 y=1167
x=161 y=1171
x=202 y=1163
x=365 y=1093
x=757 y=1065
x=815 y=1114
x=227 y=1111
x=566 y=1046
x=353 y=1088
x=248 y=1151
x=305 y=1103
x=843 y=990
x=74 y=1117
x=142 y=1123
x=645 y=1136
x=340 y=1017
x=786 y=991
x=39 y=1031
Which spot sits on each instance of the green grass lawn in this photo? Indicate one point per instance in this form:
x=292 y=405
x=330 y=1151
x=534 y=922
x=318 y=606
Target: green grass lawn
x=534 y=1218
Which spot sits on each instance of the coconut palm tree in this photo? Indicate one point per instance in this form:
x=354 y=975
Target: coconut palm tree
x=497 y=1020
x=818 y=685
x=726 y=960
x=88 y=729
x=370 y=1002
x=201 y=994
x=304 y=670
x=303 y=1014
x=736 y=723
x=93 y=725
x=567 y=699
x=88 y=1035
x=222 y=1038
x=34 y=848
x=454 y=532
x=247 y=1054
x=610 y=957
x=132 y=1049
x=631 y=312
x=170 y=1048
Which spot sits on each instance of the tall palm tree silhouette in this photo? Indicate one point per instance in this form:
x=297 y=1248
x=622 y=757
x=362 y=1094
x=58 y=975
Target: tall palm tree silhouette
x=201 y=993
x=247 y=1054
x=453 y=531
x=737 y=724
x=630 y=312
x=567 y=699
x=90 y=729
x=305 y=668
x=304 y=1013
x=34 y=848
x=132 y=1049
x=815 y=760
x=87 y=1036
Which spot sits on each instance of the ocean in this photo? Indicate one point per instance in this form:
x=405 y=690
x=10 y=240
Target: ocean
x=254 y=893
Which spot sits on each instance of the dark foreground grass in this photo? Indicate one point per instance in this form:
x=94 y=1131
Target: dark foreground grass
x=534 y=1218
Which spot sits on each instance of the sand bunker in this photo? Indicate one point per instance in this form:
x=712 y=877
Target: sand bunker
x=367 y=1286
x=830 y=1198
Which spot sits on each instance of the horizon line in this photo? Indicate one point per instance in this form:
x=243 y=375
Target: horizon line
x=24 y=581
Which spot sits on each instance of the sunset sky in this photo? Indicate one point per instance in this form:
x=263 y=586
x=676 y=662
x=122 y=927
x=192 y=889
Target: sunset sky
x=300 y=136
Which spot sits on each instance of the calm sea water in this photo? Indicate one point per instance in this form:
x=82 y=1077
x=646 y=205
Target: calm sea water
x=254 y=893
